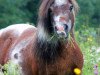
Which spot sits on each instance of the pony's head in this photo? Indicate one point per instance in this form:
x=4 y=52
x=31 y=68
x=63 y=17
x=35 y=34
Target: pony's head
x=56 y=17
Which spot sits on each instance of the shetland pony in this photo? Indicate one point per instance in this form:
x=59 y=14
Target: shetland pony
x=49 y=49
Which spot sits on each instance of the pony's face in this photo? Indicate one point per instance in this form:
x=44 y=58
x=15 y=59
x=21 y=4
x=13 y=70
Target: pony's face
x=62 y=16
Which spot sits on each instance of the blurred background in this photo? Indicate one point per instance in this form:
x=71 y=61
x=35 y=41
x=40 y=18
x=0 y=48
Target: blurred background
x=87 y=28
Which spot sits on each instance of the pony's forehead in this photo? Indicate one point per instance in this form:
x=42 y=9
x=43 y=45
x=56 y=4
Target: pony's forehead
x=60 y=2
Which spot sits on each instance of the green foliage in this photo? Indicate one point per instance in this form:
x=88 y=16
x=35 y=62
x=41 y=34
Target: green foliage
x=11 y=69
x=89 y=12
x=17 y=11
x=23 y=11
x=87 y=41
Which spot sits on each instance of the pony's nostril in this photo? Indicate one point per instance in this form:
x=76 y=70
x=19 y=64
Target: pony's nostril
x=66 y=26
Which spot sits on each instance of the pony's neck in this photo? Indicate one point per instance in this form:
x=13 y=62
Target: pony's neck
x=48 y=49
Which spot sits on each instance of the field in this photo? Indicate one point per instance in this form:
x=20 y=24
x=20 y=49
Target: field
x=89 y=42
x=87 y=30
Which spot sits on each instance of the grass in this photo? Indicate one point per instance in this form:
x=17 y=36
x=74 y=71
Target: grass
x=88 y=44
x=10 y=69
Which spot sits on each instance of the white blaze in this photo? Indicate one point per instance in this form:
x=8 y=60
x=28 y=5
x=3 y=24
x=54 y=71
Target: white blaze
x=58 y=22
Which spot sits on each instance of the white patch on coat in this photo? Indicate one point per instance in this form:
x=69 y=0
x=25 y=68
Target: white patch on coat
x=57 y=20
x=60 y=2
x=18 y=28
x=17 y=50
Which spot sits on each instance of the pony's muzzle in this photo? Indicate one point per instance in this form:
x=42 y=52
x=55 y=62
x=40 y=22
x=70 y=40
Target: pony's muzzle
x=61 y=31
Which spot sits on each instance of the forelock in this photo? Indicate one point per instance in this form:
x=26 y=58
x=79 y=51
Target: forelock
x=60 y=2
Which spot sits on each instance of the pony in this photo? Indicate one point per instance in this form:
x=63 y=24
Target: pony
x=48 y=49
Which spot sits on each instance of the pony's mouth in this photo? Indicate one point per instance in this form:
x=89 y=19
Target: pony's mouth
x=62 y=34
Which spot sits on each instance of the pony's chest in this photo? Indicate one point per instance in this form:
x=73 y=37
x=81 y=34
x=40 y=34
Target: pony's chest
x=60 y=67
x=63 y=67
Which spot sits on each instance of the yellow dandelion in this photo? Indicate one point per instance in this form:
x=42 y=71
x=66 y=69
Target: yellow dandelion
x=77 y=71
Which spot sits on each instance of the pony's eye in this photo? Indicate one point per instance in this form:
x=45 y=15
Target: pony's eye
x=71 y=8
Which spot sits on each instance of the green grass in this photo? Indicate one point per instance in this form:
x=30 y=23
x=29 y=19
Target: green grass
x=88 y=44
x=10 y=69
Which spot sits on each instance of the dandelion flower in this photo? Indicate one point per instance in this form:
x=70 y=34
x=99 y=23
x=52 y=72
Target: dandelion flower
x=77 y=71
